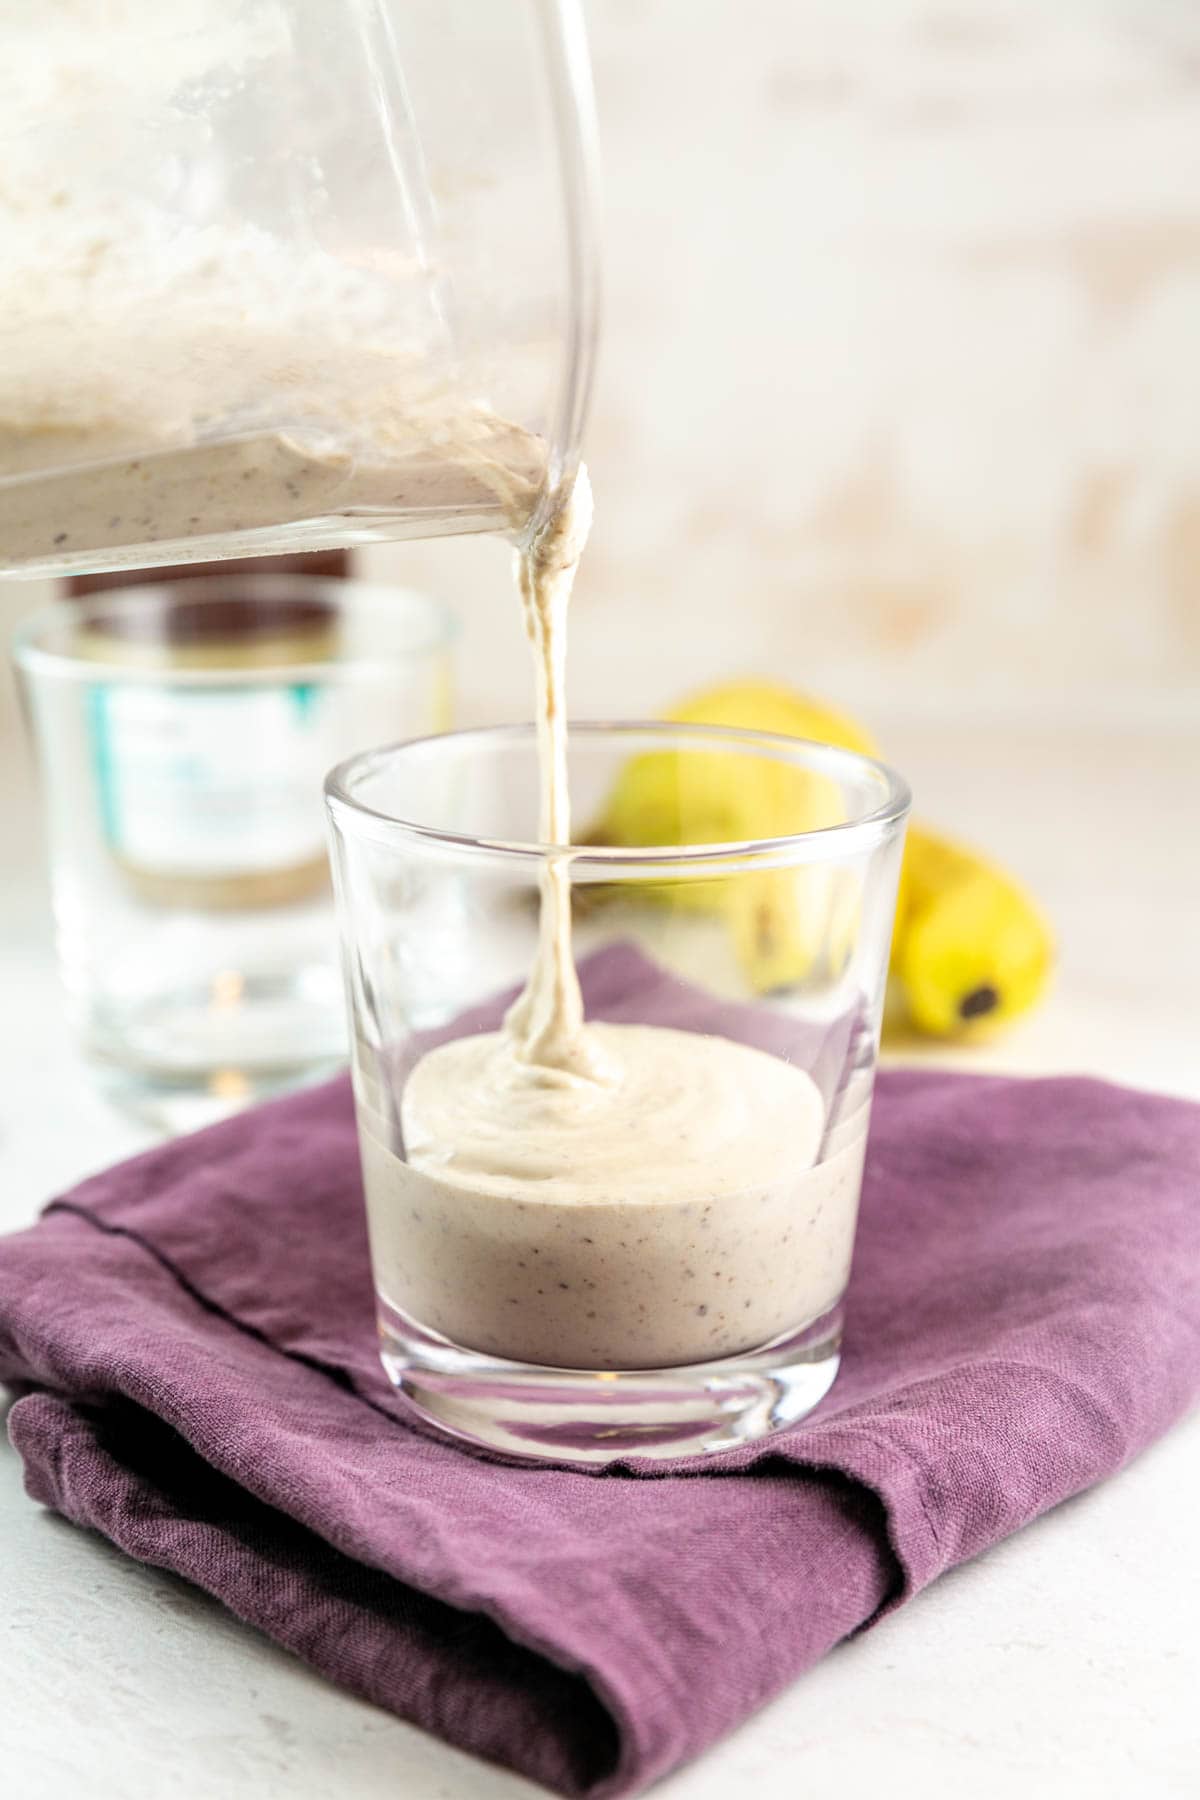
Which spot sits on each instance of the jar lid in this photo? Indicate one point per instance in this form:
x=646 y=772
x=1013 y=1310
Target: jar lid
x=242 y=602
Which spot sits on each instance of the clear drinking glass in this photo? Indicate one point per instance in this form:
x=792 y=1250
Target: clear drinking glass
x=627 y=1320
x=183 y=731
x=280 y=274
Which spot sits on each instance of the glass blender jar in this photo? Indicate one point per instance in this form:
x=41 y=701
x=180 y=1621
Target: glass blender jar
x=280 y=276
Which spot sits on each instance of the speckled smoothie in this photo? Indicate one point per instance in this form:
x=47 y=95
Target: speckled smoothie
x=674 y=1216
x=600 y=1196
x=187 y=495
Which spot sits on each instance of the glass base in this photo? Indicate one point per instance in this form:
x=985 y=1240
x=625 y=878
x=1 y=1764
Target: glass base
x=587 y=1416
x=175 y=1107
x=197 y=1053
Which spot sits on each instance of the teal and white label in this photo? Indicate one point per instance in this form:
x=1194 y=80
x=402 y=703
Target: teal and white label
x=220 y=781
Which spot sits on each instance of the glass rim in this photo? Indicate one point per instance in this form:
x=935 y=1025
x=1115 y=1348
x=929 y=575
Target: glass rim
x=826 y=843
x=437 y=630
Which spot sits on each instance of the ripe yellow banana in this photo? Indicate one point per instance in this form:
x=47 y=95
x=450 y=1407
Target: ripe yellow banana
x=792 y=925
x=971 y=950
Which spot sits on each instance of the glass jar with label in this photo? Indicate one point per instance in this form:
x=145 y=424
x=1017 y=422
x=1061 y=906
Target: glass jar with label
x=183 y=730
x=182 y=818
x=206 y=789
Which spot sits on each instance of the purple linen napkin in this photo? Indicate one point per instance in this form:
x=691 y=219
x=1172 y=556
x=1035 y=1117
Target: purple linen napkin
x=190 y=1335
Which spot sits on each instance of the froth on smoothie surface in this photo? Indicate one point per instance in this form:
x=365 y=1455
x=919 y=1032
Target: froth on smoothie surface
x=686 y=1116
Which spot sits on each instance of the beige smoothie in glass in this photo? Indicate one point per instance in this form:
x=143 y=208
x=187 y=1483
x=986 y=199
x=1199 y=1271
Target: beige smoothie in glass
x=597 y=1195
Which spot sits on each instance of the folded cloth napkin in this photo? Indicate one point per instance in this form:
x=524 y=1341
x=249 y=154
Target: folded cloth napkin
x=190 y=1336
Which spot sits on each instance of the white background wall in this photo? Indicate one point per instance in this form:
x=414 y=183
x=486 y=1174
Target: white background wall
x=900 y=390
x=900 y=387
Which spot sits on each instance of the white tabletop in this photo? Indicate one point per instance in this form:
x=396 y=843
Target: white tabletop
x=1062 y=1663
